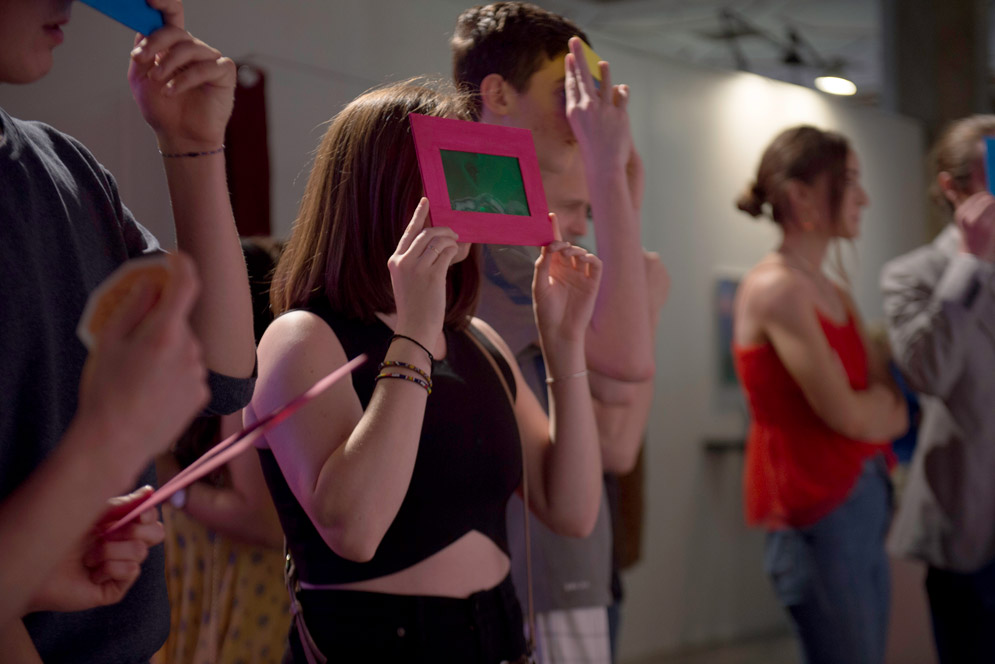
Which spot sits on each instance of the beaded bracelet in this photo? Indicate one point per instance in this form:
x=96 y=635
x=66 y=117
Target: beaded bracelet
x=407 y=377
x=404 y=365
x=179 y=155
x=431 y=358
x=579 y=374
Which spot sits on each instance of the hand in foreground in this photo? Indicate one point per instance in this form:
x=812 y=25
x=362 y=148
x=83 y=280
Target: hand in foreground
x=184 y=88
x=145 y=379
x=418 y=270
x=564 y=289
x=101 y=569
x=975 y=217
x=599 y=117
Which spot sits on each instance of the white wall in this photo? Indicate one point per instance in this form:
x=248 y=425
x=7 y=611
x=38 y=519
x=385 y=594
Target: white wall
x=701 y=134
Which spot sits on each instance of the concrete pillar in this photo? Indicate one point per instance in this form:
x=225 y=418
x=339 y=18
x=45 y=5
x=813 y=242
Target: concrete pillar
x=935 y=59
x=935 y=63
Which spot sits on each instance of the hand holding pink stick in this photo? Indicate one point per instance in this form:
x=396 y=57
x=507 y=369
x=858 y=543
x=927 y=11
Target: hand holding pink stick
x=234 y=445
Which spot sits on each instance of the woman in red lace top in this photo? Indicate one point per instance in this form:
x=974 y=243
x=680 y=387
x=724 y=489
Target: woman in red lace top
x=823 y=411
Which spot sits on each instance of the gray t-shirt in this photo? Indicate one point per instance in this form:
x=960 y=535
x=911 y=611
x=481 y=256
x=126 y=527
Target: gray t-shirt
x=568 y=572
x=63 y=229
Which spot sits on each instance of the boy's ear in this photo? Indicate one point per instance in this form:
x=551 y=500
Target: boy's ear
x=496 y=95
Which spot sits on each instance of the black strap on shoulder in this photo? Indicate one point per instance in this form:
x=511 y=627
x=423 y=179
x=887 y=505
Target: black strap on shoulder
x=497 y=359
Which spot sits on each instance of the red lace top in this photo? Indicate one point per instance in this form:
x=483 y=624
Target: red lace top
x=797 y=468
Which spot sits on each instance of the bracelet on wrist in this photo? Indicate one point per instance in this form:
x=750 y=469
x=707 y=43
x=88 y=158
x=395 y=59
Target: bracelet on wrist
x=407 y=377
x=395 y=337
x=405 y=365
x=580 y=374
x=180 y=155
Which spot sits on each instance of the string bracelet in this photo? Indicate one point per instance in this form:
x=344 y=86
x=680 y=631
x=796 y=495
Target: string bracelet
x=407 y=377
x=404 y=365
x=180 y=155
x=580 y=374
x=431 y=358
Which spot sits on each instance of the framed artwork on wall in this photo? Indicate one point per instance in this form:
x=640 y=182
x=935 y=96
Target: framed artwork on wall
x=728 y=394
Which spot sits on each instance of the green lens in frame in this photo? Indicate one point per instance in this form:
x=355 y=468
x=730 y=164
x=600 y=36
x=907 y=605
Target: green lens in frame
x=484 y=183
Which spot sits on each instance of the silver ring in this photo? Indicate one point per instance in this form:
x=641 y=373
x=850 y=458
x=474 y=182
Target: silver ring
x=435 y=249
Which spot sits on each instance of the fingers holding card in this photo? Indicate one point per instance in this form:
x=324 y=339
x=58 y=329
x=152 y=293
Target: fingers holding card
x=138 y=281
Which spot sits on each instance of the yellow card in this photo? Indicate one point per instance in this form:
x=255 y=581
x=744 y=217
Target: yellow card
x=592 y=61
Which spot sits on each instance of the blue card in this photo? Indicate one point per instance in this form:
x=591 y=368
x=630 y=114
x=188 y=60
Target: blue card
x=133 y=13
x=990 y=163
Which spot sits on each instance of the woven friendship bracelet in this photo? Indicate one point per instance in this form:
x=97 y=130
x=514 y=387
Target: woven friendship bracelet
x=179 y=155
x=579 y=374
x=407 y=377
x=431 y=358
x=404 y=365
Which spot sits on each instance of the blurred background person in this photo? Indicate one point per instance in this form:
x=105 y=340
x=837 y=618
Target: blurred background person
x=823 y=409
x=939 y=301
x=224 y=545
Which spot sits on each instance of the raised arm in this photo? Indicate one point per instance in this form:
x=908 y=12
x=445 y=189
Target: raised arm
x=185 y=90
x=787 y=316
x=619 y=340
x=932 y=301
x=350 y=469
x=622 y=409
x=562 y=456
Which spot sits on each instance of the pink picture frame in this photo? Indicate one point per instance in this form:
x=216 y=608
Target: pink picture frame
x=433 y=135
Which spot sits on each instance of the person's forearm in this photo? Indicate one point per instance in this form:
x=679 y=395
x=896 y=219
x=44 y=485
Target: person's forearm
x=205 y=230
x=929 y=323
x=244 y=510
x=54 y=508
x=619 y=340
x=233 y=515
x=622 y=426
x=572 y=464
x=17 y=645
x=884 y=414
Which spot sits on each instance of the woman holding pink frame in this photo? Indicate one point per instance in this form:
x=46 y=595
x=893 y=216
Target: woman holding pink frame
x=392 y=488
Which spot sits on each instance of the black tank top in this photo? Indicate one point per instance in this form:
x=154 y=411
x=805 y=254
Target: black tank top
x=469 y=460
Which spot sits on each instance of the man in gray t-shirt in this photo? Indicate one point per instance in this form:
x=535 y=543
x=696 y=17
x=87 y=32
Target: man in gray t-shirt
x=78 y=425
x=510 y=57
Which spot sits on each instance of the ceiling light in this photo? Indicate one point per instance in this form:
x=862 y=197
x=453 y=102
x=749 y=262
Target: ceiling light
x=836 y=85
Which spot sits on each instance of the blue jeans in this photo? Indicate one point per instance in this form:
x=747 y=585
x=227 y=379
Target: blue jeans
x=833 y=577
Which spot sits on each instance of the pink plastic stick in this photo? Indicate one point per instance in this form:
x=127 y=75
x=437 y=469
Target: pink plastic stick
x=234 y=445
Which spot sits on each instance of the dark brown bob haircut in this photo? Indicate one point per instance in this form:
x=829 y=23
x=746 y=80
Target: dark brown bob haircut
x=956 y=151
x=364 y=187
x=512 y=39
x=802 y=153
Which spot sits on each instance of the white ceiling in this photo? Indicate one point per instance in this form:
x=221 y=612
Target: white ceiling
x=843 y=31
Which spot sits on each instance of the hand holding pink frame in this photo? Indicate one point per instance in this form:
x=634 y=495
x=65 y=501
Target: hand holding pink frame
x=436 y=138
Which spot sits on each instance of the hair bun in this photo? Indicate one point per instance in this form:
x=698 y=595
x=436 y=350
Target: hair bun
x=752 y=200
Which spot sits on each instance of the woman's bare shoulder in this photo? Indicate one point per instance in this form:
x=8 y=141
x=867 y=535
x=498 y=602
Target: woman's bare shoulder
x=772 y=290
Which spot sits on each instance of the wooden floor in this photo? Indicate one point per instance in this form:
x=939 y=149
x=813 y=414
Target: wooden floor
x=771 y=650
x=910 y=634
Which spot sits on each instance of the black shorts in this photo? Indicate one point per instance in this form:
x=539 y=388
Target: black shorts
x=356 y=626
